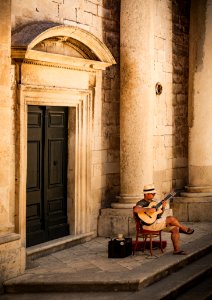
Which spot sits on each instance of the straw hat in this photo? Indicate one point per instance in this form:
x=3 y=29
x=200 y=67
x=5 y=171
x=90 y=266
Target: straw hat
x=149 y=189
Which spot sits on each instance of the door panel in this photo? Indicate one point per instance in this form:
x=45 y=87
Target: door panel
x=55 y=162
x=56 y=171
x=34 y=166
x=34 y=212
x=46 y=174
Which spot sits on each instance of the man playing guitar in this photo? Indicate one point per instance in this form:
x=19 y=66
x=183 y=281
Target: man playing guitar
x=150 y=214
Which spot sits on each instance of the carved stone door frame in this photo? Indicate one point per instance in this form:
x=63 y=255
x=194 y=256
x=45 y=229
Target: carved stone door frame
x=59 y=66
x=79 y=138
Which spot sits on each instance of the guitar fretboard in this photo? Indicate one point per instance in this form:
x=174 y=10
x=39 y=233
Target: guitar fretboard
x=170 y=195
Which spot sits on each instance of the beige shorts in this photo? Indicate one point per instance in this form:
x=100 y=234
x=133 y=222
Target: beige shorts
x=159 y=224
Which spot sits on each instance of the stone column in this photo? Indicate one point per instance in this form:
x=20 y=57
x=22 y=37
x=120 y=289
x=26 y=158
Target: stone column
x=136 y=103
x=200 y=98
x=196 y=203
x=7 y=177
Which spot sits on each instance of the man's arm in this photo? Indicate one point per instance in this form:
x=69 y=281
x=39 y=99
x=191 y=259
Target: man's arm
x=140 y=209
x=163 y=209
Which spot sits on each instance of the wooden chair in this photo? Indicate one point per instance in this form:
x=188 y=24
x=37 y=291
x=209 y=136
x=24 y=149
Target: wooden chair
x=145 y=235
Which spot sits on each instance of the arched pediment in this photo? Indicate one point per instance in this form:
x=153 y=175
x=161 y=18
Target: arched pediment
x=42 y=41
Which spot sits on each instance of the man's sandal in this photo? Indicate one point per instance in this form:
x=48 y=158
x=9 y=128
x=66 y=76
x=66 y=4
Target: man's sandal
x=188 y=231
x=181 y=252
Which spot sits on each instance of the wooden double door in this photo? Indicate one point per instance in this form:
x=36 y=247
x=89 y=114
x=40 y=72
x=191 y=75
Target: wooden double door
x=46 y=203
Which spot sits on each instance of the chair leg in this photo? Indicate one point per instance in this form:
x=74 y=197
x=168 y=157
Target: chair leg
x=145 y=238
x=161 y=246
x=136 y=243
x=150 y=243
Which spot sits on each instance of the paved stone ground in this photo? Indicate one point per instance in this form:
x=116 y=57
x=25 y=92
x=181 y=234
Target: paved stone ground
x=93 y=256
x=90 y=262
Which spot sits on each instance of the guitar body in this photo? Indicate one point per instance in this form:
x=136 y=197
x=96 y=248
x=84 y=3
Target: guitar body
x=150 y=218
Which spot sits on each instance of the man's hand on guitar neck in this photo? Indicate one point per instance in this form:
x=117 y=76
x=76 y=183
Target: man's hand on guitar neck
x=164 y=204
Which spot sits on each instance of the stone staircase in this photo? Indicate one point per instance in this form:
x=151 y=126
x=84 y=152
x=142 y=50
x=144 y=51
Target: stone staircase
x=193 y=281
x=167 y=277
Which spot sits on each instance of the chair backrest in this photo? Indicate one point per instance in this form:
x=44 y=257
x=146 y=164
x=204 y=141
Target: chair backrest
x=137 y=221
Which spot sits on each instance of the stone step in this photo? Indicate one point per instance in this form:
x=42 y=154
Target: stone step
x=201 y=291
x=65 y=242
x=133 y=280
x=177 y=283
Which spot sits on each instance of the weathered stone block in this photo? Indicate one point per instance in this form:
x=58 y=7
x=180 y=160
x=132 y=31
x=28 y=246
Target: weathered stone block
x=193 y=209
x=88 y=18
x=12 y=260
x=90 y=7
x=97 y=170
x=98 y=182
x=99 y=157
x=114 y=221
x=111 y=168
x=100 y=143
x=70 y=12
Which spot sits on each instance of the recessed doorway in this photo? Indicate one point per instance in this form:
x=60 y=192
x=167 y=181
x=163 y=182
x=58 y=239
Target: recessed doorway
x=46 y=201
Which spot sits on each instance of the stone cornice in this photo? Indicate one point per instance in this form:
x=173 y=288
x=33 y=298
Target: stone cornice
x=57 y=60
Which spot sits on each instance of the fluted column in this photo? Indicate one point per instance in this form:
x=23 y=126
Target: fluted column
x=200 y=99
x=136 y=103
x=7 y=175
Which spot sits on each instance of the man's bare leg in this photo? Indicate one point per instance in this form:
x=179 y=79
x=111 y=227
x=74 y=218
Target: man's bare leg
x=172 y=221
x=175 y=237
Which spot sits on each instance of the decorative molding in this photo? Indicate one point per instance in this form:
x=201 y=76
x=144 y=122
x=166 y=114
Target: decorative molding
x=9 y=237
x=94 y=52
x=57 y=60
x=56 y=65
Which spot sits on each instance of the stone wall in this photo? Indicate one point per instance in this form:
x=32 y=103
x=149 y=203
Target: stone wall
x=110 y=109
x=180 y=29
x=195 y=203
x=12 y=257
x=171 y=70
x=101 y=18
x=163 y=130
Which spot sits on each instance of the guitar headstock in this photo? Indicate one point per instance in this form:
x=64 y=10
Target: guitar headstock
x=170 y=195
x=173 y=193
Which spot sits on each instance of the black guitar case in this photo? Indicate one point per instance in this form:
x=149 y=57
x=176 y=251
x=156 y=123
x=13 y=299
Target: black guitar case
x=119 y=248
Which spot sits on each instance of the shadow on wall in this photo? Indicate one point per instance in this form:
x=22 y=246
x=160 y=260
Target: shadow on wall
x=180 y=62
x=110 y=103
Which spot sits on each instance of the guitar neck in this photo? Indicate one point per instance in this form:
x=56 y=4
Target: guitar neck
x=159 y=204
x=166 y=198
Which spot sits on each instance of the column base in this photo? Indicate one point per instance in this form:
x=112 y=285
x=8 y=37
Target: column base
x=126 y=201
x=122 y=205
x=111 y=222
x=206 y=190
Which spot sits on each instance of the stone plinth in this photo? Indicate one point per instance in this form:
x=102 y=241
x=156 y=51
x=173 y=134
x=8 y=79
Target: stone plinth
x=114 y=221
x=120 y=220
x=192 y=209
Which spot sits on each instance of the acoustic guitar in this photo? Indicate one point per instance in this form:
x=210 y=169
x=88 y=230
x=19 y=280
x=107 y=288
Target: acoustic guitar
x=150 y=218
